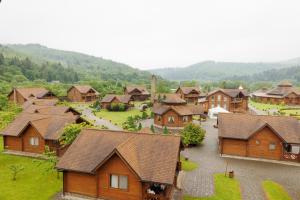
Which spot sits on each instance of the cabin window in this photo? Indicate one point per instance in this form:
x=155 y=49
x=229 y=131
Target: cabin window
x=257 y=142
x=119 y=182
x=272 y=146
x=219 y=97
x=171 y=120
x=159 y=118
x=185 y=118
x=34 y=141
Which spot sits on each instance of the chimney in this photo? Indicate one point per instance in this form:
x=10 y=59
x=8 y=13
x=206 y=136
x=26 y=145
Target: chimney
x=153 y=87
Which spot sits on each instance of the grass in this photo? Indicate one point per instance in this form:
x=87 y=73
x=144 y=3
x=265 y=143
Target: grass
x=34 y=182
x=119 y=118
x=225 y=189
x=274 y=191
x=188 y=165
x=266 y=107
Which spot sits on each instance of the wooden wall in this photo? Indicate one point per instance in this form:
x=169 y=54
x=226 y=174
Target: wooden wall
x=19 y=98
x=257 y=146
x=27 y=134
x=178 y=120
x=74 y=95
x=12 y=143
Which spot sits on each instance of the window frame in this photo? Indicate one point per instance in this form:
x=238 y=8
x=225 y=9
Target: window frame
x=185 y=118
x=118 y=176
x=169 y=121
x=270 y=144
x=34 y=141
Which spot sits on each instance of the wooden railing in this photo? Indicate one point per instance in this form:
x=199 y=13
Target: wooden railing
x=154 y=197
x=291 y=156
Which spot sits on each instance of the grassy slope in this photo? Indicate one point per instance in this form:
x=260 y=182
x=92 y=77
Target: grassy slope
x=225 y=189
x=33 y=183
x=188 y=165
x=274 y=191
x=266 y=107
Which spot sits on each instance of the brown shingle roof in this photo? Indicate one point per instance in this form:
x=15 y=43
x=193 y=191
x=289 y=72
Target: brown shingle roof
x=153 y=157
x=282 y=90
x=50 y=110
x=122 y=98
x=188 y=90
x=242 y=126
x=230 y=92
x=49 y=126
x=83 y=89
x=141 y=89
x=170 y=98
x=182 y=110
x=31 y=92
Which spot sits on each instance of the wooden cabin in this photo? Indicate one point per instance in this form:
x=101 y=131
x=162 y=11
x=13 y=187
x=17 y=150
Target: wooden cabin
x=138 y=93
x=51 y=110
x=31 y=132
x=259 y=136
x=109 y=99
x=232 y=100
x=173 y=112
x=82 y=93
x=121 y=165
x=189 y=94
x=22 y=95
x=285 y=93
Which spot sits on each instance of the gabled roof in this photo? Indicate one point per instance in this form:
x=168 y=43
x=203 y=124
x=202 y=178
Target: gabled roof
x=122 y=98
x=50 y=110
x=282 y=90
x=188 y=90
x=230 y=92
x=153 y=157
x=28 y=93
x=39 y=102
x=49 y=126
x=141 y=89
x=83 y=89
x=243 y=126
x=181 y=110
x=168 y=98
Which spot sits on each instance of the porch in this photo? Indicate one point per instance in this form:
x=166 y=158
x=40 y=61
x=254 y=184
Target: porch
x=291 y=152
x=156 y=191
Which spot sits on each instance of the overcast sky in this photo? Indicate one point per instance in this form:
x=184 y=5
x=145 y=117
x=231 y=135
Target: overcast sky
x=158 y=33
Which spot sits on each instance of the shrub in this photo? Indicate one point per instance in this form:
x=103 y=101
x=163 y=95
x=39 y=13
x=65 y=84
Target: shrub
x=15 y=169
x=117 y=107
x=192 y=134
x=144 y=115
x=152 y=128
x=165 y=131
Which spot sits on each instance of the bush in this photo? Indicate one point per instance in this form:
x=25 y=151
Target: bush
x=117 y=107
x=192 y=134
x=144 y=115
x=70 y=133
x=165 y=131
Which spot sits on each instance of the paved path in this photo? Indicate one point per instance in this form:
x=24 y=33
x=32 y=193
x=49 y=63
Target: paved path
x=86 y=112
x=199 y=183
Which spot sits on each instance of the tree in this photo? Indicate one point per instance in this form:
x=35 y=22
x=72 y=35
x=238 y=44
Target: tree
x=144 y=115
x=152 y=128
x=15 y=169
x=140 y=126
x=70 y=133
x=165 y=131
x=192 y=134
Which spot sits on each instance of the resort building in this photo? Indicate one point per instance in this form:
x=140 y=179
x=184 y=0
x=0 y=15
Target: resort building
x=82 y=93
x=259 y=136
x=121 y=165
x=138 y=93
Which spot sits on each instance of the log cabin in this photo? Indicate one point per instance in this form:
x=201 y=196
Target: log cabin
x=109 y=99
x=173 y=112
x=284 y=93
x=189 y=94
x=138 y=93
x=232 y=100
x=51 y=110
x=22 y=95
x=259 y=136
x=82 y=93
x=121 y=165
x=30 y=133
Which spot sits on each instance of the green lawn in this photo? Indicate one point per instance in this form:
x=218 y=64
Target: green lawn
x=225 y=189
x=33 y=183
x=188 y=165
x=274 y=191
x=266 y=107
x=119 y=117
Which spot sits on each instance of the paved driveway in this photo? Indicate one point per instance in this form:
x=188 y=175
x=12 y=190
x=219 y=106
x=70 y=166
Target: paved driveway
x=199 y=182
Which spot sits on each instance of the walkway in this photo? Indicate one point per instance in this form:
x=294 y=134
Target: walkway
x=199 y=183
x=87 y=113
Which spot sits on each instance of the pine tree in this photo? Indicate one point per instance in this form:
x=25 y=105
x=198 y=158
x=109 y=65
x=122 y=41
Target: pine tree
x=152 y=128
x=165 y=131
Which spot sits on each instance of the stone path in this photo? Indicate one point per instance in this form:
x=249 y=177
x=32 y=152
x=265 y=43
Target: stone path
x=199 y=183
x=86 y=112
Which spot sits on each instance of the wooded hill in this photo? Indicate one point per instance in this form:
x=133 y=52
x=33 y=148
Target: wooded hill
x=83 y=66
x=215 y=71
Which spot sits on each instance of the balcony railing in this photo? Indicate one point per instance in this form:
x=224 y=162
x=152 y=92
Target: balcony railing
x=291 y=156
